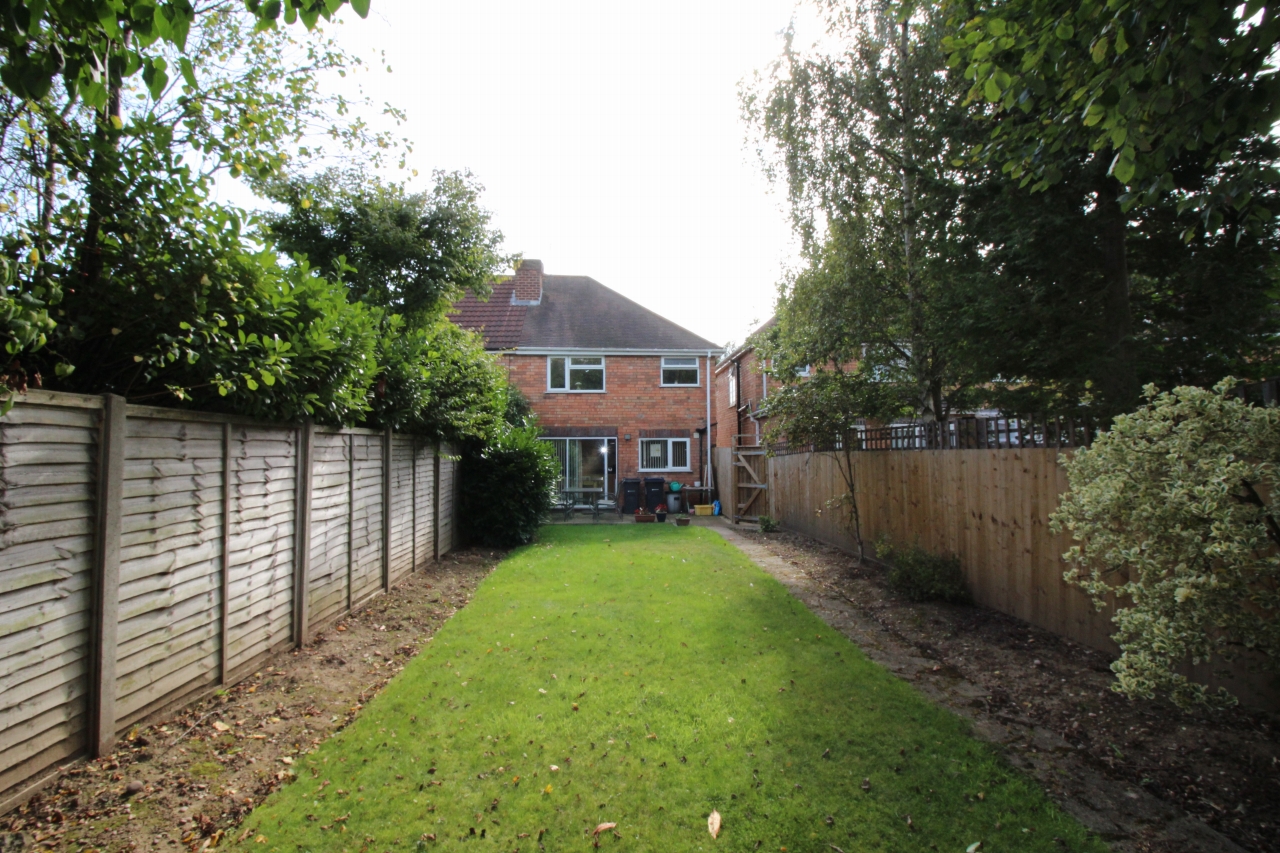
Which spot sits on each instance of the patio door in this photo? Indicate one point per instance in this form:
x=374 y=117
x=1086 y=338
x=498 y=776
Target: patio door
x=587 y=463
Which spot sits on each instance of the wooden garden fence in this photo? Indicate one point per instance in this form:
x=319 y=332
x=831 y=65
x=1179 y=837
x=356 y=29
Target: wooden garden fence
x=989 y=508
x=148 y=555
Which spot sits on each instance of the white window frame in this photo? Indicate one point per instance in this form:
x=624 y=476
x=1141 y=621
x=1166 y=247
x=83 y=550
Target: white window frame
x=663 y=367
x=733 y=385
x=688 y=451
x=569 y=366
x=803 y=372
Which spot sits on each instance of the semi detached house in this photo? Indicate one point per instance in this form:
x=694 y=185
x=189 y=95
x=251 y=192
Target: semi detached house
x=620 y=391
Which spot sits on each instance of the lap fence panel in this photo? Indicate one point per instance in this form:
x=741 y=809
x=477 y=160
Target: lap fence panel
x=170 y=564
x=366 y=516
x=424 y=496
x=263 y=469
x=328 y=585
x=402 y=470
x=448 y=486
x=48 y=494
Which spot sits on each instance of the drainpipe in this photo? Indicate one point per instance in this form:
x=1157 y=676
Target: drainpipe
x=711 y=479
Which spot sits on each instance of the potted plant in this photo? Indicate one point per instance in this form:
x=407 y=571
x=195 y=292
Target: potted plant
x=643 y=516
x=682 y=521
x=661 y=513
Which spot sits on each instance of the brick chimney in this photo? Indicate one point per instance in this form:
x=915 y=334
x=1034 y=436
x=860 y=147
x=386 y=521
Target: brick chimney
x=528 y=283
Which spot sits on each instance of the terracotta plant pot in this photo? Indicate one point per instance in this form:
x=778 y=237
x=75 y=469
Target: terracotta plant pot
x=645 y=519
x=683 y=521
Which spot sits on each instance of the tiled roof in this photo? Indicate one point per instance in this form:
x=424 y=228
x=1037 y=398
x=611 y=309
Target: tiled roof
x=499 y=320
x=575 y=312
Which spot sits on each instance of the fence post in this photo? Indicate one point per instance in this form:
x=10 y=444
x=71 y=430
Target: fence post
x=413 y=500
x=225 y=628
x=302 y=544
x=435 y=504
x=106 y=575
x=351 y=514
x=387 y=437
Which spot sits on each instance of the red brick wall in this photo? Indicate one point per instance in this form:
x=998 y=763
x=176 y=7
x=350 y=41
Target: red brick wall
x=751 y=389
x=634 y=400
x=726 y=421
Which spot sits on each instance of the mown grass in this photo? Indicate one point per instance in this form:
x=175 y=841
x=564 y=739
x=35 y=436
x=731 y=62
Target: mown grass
x=666 y=676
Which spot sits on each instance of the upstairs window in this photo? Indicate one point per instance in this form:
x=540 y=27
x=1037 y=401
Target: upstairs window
x=575 y=373
x=679 y=371
x=664 y=454
x=803 y=372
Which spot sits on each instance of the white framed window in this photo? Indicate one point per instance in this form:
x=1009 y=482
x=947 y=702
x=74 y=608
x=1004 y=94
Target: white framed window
x=664 y=454
x=803 y=372
x=733 y=384
x=575 y=373
x=680 y=372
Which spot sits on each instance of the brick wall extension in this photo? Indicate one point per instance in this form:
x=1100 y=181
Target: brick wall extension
x=634 y=403
x=726 y=420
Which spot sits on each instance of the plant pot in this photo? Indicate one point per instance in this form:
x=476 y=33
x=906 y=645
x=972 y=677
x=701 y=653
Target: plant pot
x=645 y=519
x=683 y=521
x=662 y=518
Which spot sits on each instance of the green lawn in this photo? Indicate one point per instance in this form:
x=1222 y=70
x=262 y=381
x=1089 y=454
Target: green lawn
x=665 y=676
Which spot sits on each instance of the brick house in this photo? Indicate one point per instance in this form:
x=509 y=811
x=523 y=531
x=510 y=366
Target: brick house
x=741 y=387
x=621 y=391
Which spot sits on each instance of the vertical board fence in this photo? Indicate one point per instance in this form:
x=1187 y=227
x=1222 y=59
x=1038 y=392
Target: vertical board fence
x=148 y=555
x=989 y=508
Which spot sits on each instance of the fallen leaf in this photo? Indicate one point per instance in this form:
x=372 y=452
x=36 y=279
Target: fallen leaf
x=546 y=790
x=261 y=839
x=866 y=784
x=287 y=760
x=974 y=847
x=713 y=824
x=555 y=769
x=221 y=726
x=603 y=827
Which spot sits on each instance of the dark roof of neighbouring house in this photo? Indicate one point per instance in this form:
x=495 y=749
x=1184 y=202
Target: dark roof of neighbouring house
x=575 y=312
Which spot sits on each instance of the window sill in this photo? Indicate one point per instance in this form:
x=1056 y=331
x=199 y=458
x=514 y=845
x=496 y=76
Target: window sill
x=665 y=385
x=665 y=470
x=575 y=391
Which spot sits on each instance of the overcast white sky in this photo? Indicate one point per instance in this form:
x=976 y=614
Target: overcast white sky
x=608 y=137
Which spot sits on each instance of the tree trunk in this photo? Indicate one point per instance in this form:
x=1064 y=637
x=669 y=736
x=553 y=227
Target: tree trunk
x=48 y=195
x=102 y=174
x=1118 y=380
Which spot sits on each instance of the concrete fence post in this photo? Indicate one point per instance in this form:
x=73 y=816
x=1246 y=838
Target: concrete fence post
x=224 y=655
x=435 y=504
x=387 y=438
x=351 y=515
x=302 y=546
x=106 y=575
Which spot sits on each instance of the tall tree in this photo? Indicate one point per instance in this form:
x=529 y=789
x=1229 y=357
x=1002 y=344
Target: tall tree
x=1163 y=101
x=411 y=253
x=410 y=256
x=1031 y=316
x=866 y=139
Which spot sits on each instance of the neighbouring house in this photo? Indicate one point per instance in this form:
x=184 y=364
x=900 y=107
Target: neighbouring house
x=742 y=386
x=621 y=391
